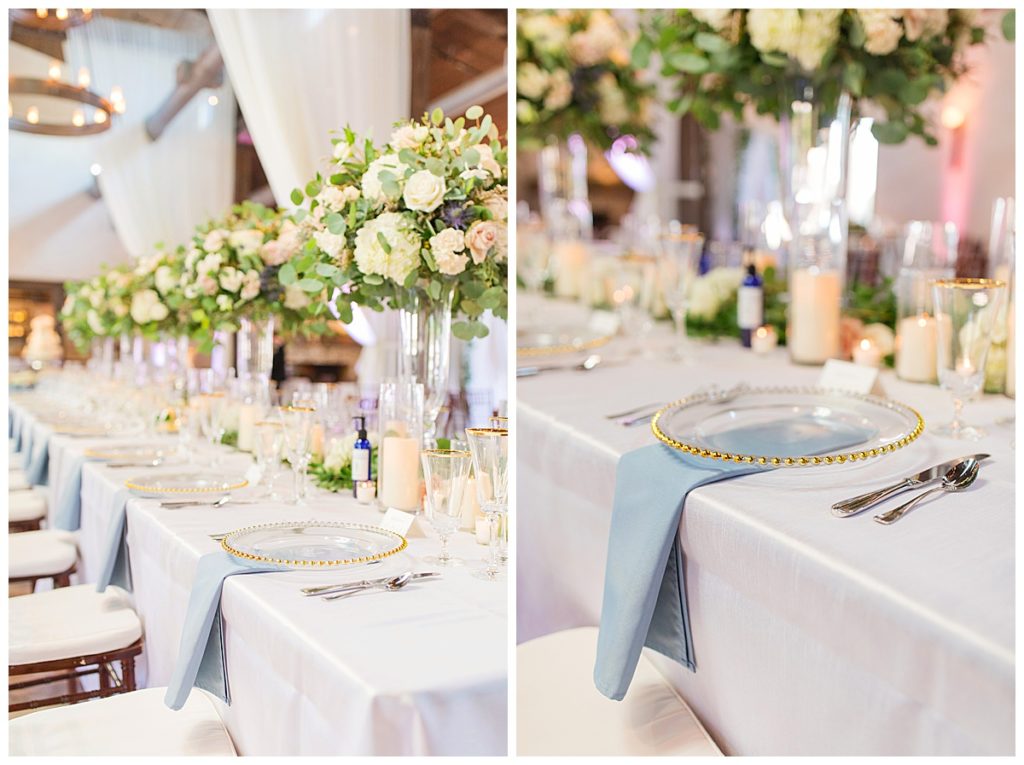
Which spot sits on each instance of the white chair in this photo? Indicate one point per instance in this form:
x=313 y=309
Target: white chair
x=26 y=510
x=72 y=632
x=17 y=480
x=46 y=554
x=136 y=723
x=560 y=712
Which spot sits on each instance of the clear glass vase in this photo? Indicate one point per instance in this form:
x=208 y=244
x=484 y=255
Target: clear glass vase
x=562 y=184
x=255 y=352
x=814 y=151
x=425 y=339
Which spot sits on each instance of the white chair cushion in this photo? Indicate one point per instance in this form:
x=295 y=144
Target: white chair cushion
x=26 y=505
x=560 y=712
x=135 y=723
x=17 y=480
x=40 y=553
x=69 y=621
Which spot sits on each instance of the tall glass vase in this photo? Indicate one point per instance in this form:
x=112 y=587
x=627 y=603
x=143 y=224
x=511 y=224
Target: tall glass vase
x=255 y=350
x=562 y=184
x=425 y=339
x=814 y=151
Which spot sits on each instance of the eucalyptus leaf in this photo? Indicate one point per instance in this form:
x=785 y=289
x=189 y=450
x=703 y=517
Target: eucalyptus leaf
x=297 y=197
x=310 y=285
x=287 y=275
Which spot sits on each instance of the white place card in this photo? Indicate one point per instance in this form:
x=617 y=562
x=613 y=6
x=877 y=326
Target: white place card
x=849 y=377
x=401 y=522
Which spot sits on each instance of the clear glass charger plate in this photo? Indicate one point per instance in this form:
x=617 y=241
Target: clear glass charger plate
x=774 y=426
x=136 y=452
x=313 y=544
x=174 y=484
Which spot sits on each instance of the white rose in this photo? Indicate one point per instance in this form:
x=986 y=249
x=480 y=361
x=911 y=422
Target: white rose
x=424 y=191
x=703 y=299
x=882 y=336
x=882 y=30
x=774 y=29
x=561 y=91
x=338 y=454
x=94 y=322
x=215 y=240
x=191 y=292
x=146 y=307
x=923 y=23
x=246 y=241
x=295 y=298
x=250 y=285
x=531 y=80
x=209 y=263
x=332 y=197
x=165 y=280
x=487 y=237
x=192 y=257
x=544 y=30
x=498 y=207
x=487 y=160
x=330 y=243
x=446 y=247
x=818 y=32
x=231 y=279
x=592 y=46
x=119 y=308
x=147 y=263
x=373 y=188
x=716 y=18
x=409 y=136
x=405 y=244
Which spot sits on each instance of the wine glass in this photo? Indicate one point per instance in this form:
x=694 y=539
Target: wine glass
x=445 y=472
x=489 y=447
x=633 y=296
x=297 y=422
x=211 y=408
x=268 y=441
x=966 y=311
x=678 y=265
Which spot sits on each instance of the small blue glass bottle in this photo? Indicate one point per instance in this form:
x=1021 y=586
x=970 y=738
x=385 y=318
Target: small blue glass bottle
x=750 y=303
x=361 y=452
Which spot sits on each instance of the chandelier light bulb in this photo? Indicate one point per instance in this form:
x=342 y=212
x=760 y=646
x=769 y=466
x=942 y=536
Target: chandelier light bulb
x=95 y=168
x=42 y=13
x=83 y=77
x=54 y=70
x=87 y=11
x=119 y=106
x=62 y=14
x=78 y=118
x=32 y=115
x=99 y=117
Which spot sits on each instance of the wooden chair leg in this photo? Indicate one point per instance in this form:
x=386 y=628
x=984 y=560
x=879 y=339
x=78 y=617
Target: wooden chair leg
x=128 y=673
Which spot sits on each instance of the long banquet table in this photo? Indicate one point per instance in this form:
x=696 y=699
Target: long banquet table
x=421 y=671
x=812 y=634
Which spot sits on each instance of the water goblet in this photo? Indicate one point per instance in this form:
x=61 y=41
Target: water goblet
x=966 y=311
x=268 y=441
x=445 y=472
x=297 y=422
x=489 y=447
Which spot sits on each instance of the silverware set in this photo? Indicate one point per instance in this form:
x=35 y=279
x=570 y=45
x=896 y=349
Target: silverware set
x=144 y=463
x=955 y=475
x=226 y=499
x=387 y=583
x=589 y=363
x=643 y=414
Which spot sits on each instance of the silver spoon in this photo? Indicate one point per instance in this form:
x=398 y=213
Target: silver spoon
x=395 y=583
x=590 y=362
x=149 y=463
x=957 y=478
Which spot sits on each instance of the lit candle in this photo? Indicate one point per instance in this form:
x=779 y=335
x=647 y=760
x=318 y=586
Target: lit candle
x=365 y=491
x=483 y=531
x=764 y=339
x=99 y=117
x=570 y=268
x=78 y=118
x=917 y=341
x=316 y=441
x=399 y=473
x=964 y=368
x=83 y=77
x=32 y=115
x=867 y=354
x=470 y=506
x=248 y=416
x=813 y=334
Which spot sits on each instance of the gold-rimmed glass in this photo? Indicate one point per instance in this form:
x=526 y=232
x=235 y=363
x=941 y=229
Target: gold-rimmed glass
x=498 y=422
x=297 y=424
x=966 y=311
x=268 y=440
x=489 y=447
x=211 y=409
x=445 y=472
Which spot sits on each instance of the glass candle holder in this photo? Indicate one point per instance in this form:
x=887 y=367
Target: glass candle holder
x=400 y=424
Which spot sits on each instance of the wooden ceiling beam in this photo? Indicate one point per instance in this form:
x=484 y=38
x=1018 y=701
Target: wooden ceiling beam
x=48 y=43
x=181 y=19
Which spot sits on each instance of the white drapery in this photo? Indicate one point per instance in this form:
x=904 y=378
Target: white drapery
x=156 y=191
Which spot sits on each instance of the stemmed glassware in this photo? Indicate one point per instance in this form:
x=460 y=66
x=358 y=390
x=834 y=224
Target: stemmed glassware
x=635 y=278
x=445 y=472
x=965 y=311
x=489 y=447
x=297 y=422
x=678 y=265
x=211 y=408
x=268 y=442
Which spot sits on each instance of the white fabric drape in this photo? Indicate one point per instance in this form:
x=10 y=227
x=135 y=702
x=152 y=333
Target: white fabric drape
x=156 y=191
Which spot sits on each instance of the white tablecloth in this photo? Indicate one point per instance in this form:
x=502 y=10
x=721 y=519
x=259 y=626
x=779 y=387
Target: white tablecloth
x=421 y=671
x=813 y=634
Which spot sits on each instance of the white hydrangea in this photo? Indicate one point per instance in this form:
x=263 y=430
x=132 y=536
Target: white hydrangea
x=560 y=93
x=295 y=298
x=250 y=285
x=336 y=197
x=246 y=241
x=146 y=307
x=773 y=29
x=409 y=136
x=545 y=31
x=231 y=279
x=716 y=18
x=531 y=80
x=330 y=243
x=447 y=247
x=922 y=23
x=373 y=188
x=403 y=242
x=818 y=32
x=215 y=240
x=165 y=280
x=338 y=454
x=95 y=323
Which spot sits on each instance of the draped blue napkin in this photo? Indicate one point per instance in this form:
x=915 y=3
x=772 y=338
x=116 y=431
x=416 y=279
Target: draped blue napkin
x=27 y=446
x=67 y=515
x=201 y=661
x=116 y=563
x=17 y=428
x=644 y=589
x=37 y=467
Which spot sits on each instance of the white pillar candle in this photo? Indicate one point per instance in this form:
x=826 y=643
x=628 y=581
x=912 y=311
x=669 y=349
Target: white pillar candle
x=470 y=506
x=248 y=416
x=399 y=473
x=570 y=268
x=764 y=339
x=917 y=341
x=483 y=531
x=867 y=354
x=814 y=303
x=316 y=441
x=1011 y=347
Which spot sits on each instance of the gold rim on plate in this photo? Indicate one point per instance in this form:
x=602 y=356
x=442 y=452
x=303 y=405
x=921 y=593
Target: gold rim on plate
x=551 y=350
x=100 y=453
x=403 y=543
x=756 y=459
x=163 y=490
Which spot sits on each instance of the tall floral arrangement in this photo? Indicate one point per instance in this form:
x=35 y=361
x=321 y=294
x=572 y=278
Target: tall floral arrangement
x=726 y=58
x=574 y=75
x=236 y=267
x=99 y=307
x=425 y=214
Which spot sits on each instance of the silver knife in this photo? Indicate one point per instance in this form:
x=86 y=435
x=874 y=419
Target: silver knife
x=324 y=590
x=861 y=503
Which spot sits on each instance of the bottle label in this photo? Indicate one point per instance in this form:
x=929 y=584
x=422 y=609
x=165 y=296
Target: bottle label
x=360 y=465
x=750 y=307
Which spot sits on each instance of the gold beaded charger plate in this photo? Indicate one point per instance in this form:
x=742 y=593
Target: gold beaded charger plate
x=91 y=429
x=177 y=484
x=130 y=452
x=768 y=426
x=546 y=342
x=313 y=544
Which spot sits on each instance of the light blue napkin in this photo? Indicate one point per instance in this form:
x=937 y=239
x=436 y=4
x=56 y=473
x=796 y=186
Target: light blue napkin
x=16 y=429
x=644 y=588
x=37 y=469
x=116 y=563
x=27 y=446
x=67 y=515
x=201 y=661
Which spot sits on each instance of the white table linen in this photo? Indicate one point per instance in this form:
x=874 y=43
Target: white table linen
x=812 y=634
x=418 y=672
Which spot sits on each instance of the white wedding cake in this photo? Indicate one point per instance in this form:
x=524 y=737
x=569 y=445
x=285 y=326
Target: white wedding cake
x=43 y=343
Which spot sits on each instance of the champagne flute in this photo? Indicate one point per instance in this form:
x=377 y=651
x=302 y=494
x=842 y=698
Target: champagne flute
x=445 y=472
x=489 y=447
x=211 y=413
x=679 y=262
x=297 y=422
x=965 y=311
